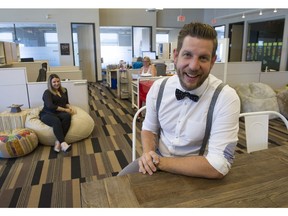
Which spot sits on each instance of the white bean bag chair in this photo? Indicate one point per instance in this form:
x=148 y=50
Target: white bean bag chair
x=257 y=97
x=282 y=98
x=17 y=143
x=81 y=127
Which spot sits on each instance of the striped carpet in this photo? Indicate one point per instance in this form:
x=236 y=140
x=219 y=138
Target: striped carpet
x=45 y=179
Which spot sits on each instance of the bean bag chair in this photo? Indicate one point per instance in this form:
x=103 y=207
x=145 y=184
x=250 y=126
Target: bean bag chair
x=17 y=143
x=282 y=98
x=81 y=127
x=257 y=97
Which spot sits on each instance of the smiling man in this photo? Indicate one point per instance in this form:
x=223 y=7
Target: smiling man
x=173 y=133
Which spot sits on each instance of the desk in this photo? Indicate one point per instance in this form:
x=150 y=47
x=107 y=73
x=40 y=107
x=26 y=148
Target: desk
x=259 y=179
x=112 y=78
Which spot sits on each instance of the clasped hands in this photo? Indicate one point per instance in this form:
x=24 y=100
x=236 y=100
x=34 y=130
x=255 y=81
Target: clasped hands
x=148 y=162
x=70 y=110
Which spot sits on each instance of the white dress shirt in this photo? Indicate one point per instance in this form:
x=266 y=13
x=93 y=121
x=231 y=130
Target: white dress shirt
x=183 y=122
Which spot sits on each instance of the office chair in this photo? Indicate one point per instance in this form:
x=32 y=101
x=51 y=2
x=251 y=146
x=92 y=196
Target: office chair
x=161 y=69
x=256 y=129
x=134 y=131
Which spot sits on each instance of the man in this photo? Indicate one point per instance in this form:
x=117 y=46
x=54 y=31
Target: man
x=182 y=122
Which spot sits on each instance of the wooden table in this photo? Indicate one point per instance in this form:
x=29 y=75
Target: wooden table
x=259 y=179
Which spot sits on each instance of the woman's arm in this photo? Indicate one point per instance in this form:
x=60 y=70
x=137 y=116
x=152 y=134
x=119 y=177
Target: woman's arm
x=153 y=70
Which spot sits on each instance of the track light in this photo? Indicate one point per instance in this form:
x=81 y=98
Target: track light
x=243 y=16
x=260 y=14
x=275 y=10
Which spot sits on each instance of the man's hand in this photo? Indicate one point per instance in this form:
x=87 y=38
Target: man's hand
x=148 y=162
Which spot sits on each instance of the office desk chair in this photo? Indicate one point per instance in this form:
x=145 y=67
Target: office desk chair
x=256 y=129
x=161 y=69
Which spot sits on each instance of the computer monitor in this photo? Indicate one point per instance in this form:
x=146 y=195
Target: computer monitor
x=27 y=59
x=150 y=54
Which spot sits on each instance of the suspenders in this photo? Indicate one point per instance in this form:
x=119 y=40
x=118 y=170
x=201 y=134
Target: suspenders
x=209 y=115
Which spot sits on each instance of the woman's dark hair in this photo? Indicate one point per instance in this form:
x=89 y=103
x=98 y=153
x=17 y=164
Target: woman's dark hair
x=198 y=30
x=49 y=83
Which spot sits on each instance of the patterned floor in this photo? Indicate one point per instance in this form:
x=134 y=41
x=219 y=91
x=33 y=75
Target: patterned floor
x=47 y=179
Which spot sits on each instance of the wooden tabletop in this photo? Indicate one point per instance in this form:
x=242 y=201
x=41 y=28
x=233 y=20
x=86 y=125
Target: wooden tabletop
x=259 y=179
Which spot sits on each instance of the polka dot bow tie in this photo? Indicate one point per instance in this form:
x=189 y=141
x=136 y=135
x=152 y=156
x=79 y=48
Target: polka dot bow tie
x=180 y=95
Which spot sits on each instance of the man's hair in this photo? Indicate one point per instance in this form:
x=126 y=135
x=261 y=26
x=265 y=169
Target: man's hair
x=49 y=83
x=198 y=30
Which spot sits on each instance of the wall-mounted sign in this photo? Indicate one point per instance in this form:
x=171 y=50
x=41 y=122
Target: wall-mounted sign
x=65 y=49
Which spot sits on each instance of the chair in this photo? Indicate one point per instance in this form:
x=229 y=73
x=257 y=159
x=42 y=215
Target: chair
x=134 y=131
x=161 y=69
x=256 y=129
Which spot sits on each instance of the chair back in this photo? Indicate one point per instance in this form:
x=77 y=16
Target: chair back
x=257 y=128
x=134 y=132
x=161 y=69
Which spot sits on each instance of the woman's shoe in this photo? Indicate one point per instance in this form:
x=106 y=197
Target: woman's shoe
x=65 y=147
x=57 y=146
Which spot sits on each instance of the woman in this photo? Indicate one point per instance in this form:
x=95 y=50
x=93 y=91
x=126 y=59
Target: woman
x=148 y=69
x=57 y=111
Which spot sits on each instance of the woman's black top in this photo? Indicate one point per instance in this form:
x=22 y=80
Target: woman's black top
x=51 y=101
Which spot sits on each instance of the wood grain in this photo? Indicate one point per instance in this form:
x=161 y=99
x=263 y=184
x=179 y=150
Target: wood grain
x=259 y=179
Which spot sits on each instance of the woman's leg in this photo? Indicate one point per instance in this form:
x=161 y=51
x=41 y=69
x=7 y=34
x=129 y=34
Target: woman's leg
x=65 y=122
x=54 y=122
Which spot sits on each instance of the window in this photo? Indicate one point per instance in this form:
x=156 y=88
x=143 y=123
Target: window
x=160 y=39
x=220 y=31
x=37 y=41
x=116 y=45
x=265 y=43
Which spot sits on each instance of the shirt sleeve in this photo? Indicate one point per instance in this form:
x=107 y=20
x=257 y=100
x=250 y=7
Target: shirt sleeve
x=224 y=132
x=66 y=93
x=48 y=100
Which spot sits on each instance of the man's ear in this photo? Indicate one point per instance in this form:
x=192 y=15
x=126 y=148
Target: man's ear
x=213 y=61
x=175 y=55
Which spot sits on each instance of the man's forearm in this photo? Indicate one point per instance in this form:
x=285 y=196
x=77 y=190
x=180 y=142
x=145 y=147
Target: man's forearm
x=149 y=141
x=196 y=166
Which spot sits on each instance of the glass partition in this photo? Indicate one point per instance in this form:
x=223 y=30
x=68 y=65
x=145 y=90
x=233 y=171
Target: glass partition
x=37 y=41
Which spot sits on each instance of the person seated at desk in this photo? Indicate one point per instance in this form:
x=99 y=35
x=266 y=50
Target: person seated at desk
x=148 y=68
x=174 y=133
x=138 y=64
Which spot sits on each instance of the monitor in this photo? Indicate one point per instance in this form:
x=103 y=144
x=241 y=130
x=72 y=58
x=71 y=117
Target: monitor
x=27 y=59
x=150 y=54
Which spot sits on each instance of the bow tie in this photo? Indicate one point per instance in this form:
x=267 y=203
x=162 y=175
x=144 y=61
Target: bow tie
x=180 y=95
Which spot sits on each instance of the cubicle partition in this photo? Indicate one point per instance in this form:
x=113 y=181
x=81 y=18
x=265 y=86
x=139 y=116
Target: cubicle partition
x=77 y=93
x=15 y=89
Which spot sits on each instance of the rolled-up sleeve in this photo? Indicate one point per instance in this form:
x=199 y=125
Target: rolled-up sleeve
x=224 y=132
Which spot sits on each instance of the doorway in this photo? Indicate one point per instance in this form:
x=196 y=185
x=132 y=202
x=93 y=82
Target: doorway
x=84 y=49
x=235 y=41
